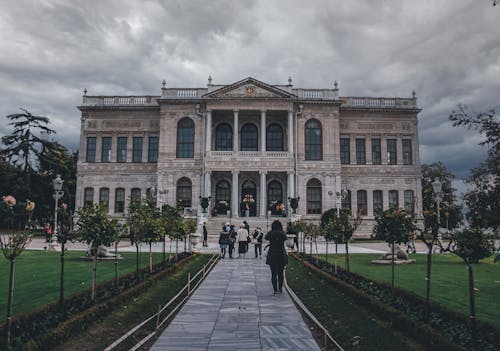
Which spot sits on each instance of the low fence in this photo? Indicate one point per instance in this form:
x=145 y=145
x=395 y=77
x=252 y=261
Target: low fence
x=184 y=294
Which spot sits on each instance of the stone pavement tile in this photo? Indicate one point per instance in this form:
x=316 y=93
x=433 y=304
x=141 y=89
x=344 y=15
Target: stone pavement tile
x=284 y=343
x=234 y=344
x=180 y=343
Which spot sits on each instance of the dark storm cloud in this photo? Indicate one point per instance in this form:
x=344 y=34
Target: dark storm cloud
x=448 y=51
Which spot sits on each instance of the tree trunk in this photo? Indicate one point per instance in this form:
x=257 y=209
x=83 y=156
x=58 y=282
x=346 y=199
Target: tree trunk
x=347 y=256
x=472 y=307
x=116 y=264
x=137 y=257
x=326 y=251
x=10 y=299
x=428 y=285
x=61 y=280
x=150 y=259
x=164 y=239
x=176 y=249
x=392 y=276
x=94 y=275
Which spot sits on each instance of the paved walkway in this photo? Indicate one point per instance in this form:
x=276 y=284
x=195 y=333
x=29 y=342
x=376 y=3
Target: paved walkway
x=234 y=309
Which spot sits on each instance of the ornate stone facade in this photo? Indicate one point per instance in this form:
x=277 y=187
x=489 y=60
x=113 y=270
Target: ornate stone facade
x=251 y=146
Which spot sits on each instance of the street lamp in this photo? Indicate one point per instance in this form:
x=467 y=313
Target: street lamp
x=58 y=193
x=437 y=192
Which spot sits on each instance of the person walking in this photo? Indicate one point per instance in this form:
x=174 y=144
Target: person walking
x=277 y=258
x=258 y=235
x=242 y=240
x=223 y=243
x=232 y=240
x=205 y=235
x=48 y=232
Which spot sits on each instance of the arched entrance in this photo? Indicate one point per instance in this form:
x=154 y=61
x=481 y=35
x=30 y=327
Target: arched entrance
x=248 y=198
x=222 y=197
x=275 y=198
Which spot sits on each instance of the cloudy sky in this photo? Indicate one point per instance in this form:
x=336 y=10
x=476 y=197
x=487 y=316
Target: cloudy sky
x=447 y=50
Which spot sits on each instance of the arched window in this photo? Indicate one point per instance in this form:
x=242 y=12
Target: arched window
x=249 y=196
x=362 y=203
x=249 y=138
x=224 y=137
x=409 y=201
x=314 y=140
x=184 y=192
x=104 y=197
x=135 y=194
x=223 y=196
x=88 y=197
x=185 y=138
x=274 y=138
x=313 y=196
x=119 y=200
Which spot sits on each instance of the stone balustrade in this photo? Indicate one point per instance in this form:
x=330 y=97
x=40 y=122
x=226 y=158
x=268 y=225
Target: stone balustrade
x=147 y=100
x=248 y=154
x=187 y=93
x=379 y=102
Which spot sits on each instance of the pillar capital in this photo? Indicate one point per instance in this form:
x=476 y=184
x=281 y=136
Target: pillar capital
x=262 y=172
x=235 y=172
x=236 y=111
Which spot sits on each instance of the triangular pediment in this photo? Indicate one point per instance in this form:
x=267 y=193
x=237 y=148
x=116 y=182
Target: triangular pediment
x=249 y=88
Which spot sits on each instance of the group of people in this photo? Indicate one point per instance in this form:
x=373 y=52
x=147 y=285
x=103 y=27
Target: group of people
x=230 y=238
x=277 y=257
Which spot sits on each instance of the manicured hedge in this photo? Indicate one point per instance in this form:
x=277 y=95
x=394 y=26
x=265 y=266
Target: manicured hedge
x=47 y=326
x=445 y=330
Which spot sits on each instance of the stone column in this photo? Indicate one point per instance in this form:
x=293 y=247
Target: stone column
x=369 y=199
x=235 y=205
x=263 y=187
x=290 y=132
x=208 y=186
x=145 y=148
x=98 y=147
x=383 y=150
x=263 y=131
x=291 y=184
x=235 y=131
x=208 y=131
x=399 y=149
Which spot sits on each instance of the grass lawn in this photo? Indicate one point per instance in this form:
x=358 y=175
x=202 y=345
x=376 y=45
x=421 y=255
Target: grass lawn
x=343 y=319
x=449 y=281
x=37 y=276
x=103 y=332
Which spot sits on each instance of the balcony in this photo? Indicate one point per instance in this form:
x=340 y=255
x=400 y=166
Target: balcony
x=250 y=154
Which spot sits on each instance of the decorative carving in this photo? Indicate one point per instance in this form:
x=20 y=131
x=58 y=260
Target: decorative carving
x=91 y=124
x=122 y=124
x=376 y=126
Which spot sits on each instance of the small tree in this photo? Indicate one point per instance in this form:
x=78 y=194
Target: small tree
x=64 y=234
x=394 y=227
x=135 y=228
x=12 y=245
x=331 y=229
x=471 y=245
x=95 y=228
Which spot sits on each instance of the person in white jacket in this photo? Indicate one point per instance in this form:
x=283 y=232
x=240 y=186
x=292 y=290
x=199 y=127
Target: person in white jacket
x=242 y=240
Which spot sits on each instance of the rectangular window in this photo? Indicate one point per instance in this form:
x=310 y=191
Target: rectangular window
x=346 y=201
x=407 y=152
x=137 y=149
x=345 y=157
x=376 y=152
x=362 y=203
x=121 y=150
x=88 y=197
x=153 y=149
x=393 y=199
x=106 y=149
x=91 y=146
x=104 y=197
x=135 y=194
x=392 y=158
x=409 y=202
x=360 y=152
x=378 y=203
x=119 y=200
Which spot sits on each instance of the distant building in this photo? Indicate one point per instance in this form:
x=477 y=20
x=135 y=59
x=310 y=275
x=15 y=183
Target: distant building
x=251 y=146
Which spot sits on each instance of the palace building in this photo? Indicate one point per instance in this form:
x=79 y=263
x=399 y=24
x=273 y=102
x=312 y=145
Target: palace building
x=248 y=148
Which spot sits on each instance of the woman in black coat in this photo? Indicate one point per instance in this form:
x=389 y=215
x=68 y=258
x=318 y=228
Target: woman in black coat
x=277 y=258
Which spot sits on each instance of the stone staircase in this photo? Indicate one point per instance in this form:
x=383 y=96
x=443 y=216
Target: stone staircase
x=214 y=224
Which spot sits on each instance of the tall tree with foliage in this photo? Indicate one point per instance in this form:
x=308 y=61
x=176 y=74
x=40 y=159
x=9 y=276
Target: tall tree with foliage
x=483 y=200
x=394 y=226
x=450 y=214
x=14 y=243
x=96 y=229
x=471 y=245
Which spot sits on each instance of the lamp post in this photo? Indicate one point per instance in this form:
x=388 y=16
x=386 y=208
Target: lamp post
x=437 y=191
x=58 y=194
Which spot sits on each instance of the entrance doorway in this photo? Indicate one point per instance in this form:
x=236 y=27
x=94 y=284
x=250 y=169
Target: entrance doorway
x=275 y=198
x=248 y=199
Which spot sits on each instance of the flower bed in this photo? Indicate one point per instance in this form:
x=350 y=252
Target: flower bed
x=446 y=329
x=47 y=326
